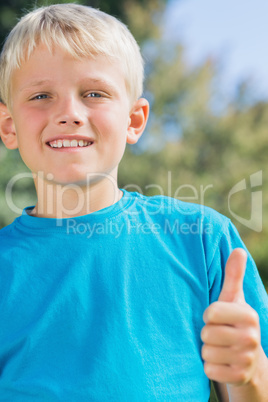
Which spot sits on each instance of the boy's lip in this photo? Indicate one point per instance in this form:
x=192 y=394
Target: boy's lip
x=72 y=141
x=69 y=137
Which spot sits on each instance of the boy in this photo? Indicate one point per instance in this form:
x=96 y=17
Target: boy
x=101 y=300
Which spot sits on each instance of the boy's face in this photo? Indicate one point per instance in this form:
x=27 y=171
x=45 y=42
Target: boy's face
x=72 y=118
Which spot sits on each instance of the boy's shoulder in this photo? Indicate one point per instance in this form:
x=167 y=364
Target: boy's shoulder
x=8 y=237
x=8 y=243
x=173 y=207
x=6 y=231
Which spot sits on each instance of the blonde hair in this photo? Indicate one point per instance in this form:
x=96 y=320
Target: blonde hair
x=80 y=30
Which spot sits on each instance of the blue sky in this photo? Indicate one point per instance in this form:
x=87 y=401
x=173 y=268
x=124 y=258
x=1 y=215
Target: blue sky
x=233 y=31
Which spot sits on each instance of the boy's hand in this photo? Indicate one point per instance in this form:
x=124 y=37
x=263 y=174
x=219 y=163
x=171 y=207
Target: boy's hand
x=231 y=335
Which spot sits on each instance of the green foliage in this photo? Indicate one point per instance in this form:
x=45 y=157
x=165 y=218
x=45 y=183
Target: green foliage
x=22 y=190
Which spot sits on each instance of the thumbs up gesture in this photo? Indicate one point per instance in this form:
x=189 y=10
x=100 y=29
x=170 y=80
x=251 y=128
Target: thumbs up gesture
x=231 y=334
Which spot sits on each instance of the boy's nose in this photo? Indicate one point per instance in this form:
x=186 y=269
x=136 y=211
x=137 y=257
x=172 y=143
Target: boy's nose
x=69 y=113
x=70 y=121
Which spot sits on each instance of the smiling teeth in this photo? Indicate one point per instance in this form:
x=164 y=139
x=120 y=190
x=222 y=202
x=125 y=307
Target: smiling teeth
x=69 y=144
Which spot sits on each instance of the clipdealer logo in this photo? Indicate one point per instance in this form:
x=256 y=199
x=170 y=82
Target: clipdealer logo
x=134 y=226
x=255 y=199
x=255 y=202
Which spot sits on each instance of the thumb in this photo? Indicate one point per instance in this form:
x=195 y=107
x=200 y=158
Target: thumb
x=232 y=290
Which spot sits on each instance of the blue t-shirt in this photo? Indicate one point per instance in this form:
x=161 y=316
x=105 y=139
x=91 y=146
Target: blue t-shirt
x=108 y=306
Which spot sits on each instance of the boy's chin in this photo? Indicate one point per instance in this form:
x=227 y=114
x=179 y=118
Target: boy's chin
x=75 y=179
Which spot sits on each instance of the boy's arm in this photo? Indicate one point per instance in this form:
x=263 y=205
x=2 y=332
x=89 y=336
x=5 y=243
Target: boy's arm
x=232 y=350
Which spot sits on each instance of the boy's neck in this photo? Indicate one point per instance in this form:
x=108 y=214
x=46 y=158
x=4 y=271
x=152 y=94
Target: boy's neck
x=67 y=201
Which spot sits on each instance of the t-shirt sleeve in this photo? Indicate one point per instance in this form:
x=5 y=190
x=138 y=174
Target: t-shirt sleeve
x=254 y=290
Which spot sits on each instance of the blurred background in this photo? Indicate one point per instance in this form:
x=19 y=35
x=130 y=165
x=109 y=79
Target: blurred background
x=207 y=83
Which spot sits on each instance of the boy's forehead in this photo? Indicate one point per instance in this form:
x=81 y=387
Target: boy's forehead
x=42 y=56
x=45 y=67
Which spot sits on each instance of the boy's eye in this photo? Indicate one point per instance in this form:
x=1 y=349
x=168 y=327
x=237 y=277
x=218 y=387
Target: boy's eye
x=40 y=96
x=94 y=95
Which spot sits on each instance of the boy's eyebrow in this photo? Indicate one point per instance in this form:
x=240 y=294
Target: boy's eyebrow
x=102 y=81
x=32 y=84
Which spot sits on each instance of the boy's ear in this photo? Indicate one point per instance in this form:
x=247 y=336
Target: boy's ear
x=137 y=120
x=7 y=129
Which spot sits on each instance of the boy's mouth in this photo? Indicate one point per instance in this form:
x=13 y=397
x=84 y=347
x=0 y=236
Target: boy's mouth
x=69 y=143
